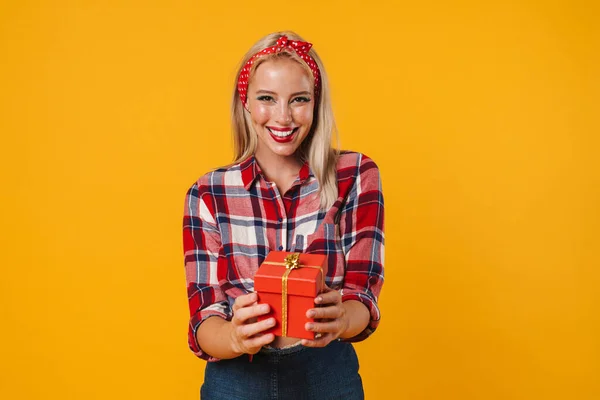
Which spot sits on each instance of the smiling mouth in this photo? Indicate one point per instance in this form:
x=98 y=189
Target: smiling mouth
x=282 y=134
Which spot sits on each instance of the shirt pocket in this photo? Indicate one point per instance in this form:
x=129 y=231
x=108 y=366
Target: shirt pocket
x=327 y=240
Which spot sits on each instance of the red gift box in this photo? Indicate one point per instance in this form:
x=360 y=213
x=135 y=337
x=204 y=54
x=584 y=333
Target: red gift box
x=289 y=283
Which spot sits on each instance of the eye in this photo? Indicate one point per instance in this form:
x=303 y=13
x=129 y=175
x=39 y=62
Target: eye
x=302 y=99
x=265 y=98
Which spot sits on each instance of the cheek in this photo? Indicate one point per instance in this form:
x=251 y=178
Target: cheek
x=304 y=115
x=260 y=114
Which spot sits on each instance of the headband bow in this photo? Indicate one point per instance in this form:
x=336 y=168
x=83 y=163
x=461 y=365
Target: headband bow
x=301 y=48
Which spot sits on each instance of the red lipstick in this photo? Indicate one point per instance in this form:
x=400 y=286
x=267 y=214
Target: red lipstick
x=284 y=139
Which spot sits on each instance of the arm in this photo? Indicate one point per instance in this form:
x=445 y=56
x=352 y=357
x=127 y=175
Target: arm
x=358 y=318
x=214 y=335
x=352 y=313
x=232 y=334
x=338 y=319
x=202 y=243
x=230 y=339
x=362 y=227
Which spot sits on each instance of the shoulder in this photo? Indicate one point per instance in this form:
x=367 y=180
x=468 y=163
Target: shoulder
x=356 y=173
x=355 y=163
x=216 y=181
x=202 y=197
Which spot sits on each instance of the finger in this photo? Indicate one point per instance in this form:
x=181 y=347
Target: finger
x=251 y=311
x=330 y=297
x=324 y=327
x=250 y=330
x=244 y=300
x=254 y=344
x=322 y=341
x=324 y=312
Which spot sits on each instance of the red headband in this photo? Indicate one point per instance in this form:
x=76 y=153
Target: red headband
x=301 y=48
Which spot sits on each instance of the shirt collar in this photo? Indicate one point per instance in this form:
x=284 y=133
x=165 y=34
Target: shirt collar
x=251 y=170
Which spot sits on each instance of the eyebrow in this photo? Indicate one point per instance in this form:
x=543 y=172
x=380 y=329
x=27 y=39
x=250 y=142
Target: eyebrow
x=293 y=94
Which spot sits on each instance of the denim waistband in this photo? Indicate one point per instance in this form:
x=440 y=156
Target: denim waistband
x=274 y=351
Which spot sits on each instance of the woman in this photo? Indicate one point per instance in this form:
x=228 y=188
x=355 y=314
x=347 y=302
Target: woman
x=287 y=190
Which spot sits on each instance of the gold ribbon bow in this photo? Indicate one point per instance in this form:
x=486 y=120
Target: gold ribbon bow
x=292 y=261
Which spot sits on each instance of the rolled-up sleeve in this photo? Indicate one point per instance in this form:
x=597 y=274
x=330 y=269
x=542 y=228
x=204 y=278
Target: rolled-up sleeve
x=362 y=228
x=201 y=246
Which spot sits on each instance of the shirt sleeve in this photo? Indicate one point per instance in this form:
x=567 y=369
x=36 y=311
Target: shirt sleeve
x=362 y=228
x=201 y=246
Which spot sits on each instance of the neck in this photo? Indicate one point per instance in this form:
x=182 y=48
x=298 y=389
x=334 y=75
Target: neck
x=275 y=167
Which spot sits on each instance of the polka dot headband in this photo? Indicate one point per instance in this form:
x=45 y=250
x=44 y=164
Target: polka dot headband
x=301 y=48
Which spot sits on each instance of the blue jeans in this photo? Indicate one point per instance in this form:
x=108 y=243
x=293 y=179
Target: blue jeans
x=298 y=372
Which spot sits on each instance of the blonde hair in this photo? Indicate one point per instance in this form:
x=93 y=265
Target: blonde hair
x=316 y=147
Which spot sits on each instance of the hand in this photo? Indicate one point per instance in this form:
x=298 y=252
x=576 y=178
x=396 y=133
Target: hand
x=246 y=336
x=332 y=319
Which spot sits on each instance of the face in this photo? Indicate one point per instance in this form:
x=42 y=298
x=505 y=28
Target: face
x=281 y=103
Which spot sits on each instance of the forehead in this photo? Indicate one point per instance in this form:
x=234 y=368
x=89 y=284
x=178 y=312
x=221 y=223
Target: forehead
x=282 y=74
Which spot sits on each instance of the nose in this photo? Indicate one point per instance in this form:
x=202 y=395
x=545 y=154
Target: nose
x=284 y=114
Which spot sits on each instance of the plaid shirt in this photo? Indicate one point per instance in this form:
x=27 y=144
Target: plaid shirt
x=233 y=217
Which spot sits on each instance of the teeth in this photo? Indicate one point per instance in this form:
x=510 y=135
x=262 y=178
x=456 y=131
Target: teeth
x=281 y=133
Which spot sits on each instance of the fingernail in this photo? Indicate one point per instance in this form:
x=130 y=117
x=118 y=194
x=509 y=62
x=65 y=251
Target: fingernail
x=310 y=314
x=264 y=308
x=272 y=321
x=319 y=299
x=308 y=327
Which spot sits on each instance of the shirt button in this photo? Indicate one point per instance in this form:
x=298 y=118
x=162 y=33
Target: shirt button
x=279 y=219
x=280 y=248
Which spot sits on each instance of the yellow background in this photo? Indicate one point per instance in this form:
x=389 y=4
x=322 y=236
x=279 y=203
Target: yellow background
x=483 y=118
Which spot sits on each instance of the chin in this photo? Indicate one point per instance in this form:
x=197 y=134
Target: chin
x=290 y=151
